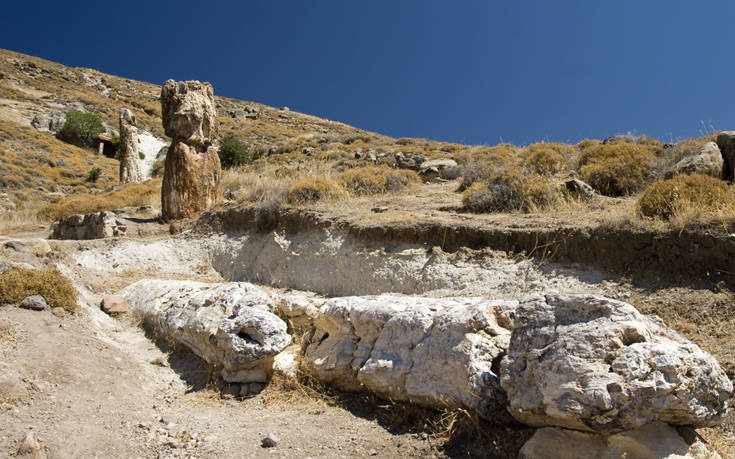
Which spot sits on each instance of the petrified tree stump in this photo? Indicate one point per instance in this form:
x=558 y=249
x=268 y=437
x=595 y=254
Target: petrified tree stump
x=129 y=162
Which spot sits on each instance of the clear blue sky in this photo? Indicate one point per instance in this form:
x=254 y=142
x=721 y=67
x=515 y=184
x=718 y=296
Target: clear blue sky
x=469 y=71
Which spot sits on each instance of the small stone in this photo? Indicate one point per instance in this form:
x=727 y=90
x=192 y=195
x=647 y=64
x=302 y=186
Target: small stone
x=159 y=362
x=58 y=312
x=372 y=452
x=169 y=419
x=269 y=441
x=30 y=448
x=379 y=209
x=34 y=302
x=114 y=305
x=4 y=326
x=231 y=390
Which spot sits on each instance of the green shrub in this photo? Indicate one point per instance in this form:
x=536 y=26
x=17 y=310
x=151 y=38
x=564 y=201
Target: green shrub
x=141 y=155
x=94 y=174
x=233 y=152
x=686 y=194
x=616 y=169
x=57 y=290
x=81 y=129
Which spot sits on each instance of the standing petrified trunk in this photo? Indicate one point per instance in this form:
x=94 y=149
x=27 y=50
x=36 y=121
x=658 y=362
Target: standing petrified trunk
x=129 y=162
x=192 y=171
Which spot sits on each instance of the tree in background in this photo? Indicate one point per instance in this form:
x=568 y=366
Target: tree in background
x=81 y=128
x=234 y=152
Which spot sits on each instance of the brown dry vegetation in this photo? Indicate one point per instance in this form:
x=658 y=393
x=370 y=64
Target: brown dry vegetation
x=18 y=283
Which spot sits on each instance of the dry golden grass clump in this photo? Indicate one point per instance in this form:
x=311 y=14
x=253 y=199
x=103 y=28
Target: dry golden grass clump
x=57 y=290
x=688 y=198
x=372 y=180
x=616 y=169
x=314 y=189
x=548 y=158
x=131 y=194
x=509 y=191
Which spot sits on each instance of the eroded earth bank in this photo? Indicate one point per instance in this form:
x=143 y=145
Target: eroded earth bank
x=342 y=343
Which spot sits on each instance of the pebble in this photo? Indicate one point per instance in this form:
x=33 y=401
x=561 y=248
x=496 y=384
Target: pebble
x=58 y=312
x=33 y=302
x=269 y=441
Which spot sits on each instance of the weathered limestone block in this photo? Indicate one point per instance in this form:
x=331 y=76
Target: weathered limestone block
x=594 y=364
x=439 y=352
x=230 y=325
x=99 y=225
x=190 y=181
x=192 y=169
x=726 y=144
x=129 y=161
x=706 y=160
x=652 y=441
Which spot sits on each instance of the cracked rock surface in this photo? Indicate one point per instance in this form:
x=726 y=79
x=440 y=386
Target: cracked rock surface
x=440 y=352
x=590 y=363
x=229 y=325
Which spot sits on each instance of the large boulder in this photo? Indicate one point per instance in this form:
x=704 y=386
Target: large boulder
x=707 y=160
x=594 y=364
x=726 y=143
x=440 y=353
x=188 y=112
x=652 y=441
x=229 y=325
x=98 y=225
x=444 y=168
x=129 y=161
x=192 y=169
x=409 y=160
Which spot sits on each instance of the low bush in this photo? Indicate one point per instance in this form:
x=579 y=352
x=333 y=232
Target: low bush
x=233 y=152
x=508 y=191
x=81 y=129
x=57 y=290
x=482 y=165
x=694 y=195
x=131 y=194
x=94 y=174
x=371 y=180
x=616 y=169
x=548 y=158
x=313 y=189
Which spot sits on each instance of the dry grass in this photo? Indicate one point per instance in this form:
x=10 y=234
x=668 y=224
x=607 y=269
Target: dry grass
x=616 y=169
x=371 y=180
x=549 y=158
x=18 y=283
x=131 y=194
x=687 y=199
x=510 y=191
x=310 y=190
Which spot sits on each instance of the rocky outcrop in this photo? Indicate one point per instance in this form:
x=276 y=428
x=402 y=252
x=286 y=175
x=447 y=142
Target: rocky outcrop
x=192 y=171
x=99 y=225
x=230 y=325
x=595 y=364
x=409 y=160
x=443 y=168
x=436 y=352
x=726 y=144
x=706 y=160
x=652 y=441
x=129 y=162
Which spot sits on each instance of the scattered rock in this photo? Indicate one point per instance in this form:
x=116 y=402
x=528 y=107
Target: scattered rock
x=286 y=363
x=12 y=388
x=34 y=302
x=726 y=144
x=438 y=352
x=6 y=204
x=410 y=160
x=707 y=160
x=98 y=225
x=192 y=171
x=4 y=326
x=372 y=452
x=590 y=363
x=229 y=324
x=58 y=312
x=579 y=189
x=269 y=441
x=652 y=441
x=129 y=145
x=440 y=168
x=114 y=305
x=379 y=209
x=234 y=192
x=30 y=448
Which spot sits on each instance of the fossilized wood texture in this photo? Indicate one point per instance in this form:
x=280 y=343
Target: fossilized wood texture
x=229 y=325
x=440 y=352
x=188 y=112
x=590 y=363
x=190 y=181
x=129 y=161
